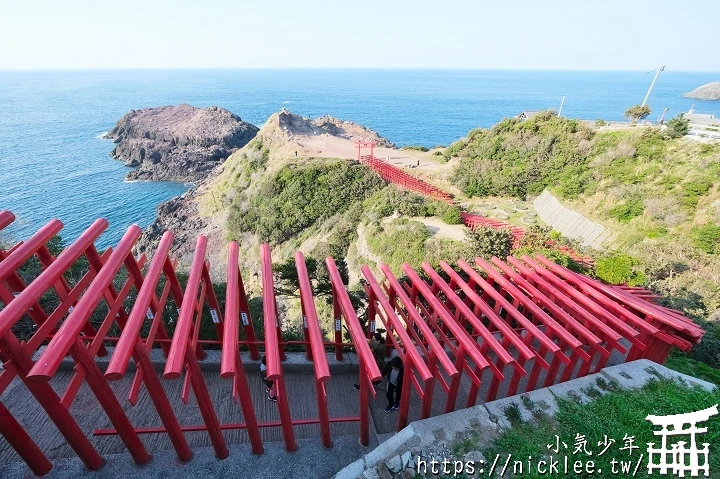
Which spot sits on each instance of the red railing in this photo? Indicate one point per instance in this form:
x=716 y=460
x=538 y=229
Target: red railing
x=398 y=177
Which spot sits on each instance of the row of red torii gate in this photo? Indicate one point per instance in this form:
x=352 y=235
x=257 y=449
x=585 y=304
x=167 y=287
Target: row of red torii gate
x=526 y=322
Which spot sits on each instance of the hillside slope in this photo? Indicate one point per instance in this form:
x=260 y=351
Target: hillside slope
x=285 y=187
x=661 y=196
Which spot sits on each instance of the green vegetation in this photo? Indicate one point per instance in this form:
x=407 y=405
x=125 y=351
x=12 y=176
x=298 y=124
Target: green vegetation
x=297 y=197
x=658 y=193
x=637 y=112
x=677 y=127
x=620 y=269
x=682 y=363
x=391 y=200
x=615 y=415
x=628 y=210
x=399 y=241
x=452 y=215
x=488 y=242
x=415 y=148
x=694 y=189
x=706 y=238
x=518 y=159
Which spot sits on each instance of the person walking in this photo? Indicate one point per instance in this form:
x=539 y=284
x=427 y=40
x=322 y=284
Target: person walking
x=269 y=385
x=377 y=346
x=394 y=370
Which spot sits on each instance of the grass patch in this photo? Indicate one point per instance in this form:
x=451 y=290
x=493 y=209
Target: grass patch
x=681 y=363
x=615 y=415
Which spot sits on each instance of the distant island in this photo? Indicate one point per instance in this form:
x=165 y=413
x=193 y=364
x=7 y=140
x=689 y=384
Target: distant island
x=710 y=91
x=177 y=143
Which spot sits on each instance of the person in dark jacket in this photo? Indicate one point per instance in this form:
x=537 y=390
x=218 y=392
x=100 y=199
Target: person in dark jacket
x=394 y=371
x=270 y=388
x=377 y=346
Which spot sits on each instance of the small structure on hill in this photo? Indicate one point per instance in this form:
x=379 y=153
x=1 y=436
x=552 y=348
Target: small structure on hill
x=527 y=114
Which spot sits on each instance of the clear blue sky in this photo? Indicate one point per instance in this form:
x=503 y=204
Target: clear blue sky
x=513 y=34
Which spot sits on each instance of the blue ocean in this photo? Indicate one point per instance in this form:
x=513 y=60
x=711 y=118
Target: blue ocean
x=54 y=163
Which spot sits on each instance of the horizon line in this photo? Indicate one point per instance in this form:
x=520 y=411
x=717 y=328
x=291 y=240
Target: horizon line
x=299 y=68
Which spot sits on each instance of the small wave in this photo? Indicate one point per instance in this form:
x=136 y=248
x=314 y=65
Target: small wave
x=102 y=135
x=286 y=102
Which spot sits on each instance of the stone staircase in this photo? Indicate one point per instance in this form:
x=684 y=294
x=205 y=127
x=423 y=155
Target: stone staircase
x=572 y=224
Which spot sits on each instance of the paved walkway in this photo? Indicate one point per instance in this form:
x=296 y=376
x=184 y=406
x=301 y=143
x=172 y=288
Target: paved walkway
x=301 y=391
x=311 y=456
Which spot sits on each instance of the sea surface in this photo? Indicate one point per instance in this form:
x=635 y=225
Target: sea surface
x=54 y=163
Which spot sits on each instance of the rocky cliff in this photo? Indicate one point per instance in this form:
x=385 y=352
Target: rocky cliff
x=287 y=133
x=285 y=137
x=178 y=143
x=711 y=91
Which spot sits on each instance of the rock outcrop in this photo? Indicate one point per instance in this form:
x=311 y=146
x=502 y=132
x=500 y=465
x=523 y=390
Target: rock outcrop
x=286 y=133
x=711 y=91
x=178 y=143
x=285 y=137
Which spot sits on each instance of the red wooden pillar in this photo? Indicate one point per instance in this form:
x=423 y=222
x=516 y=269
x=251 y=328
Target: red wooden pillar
x=337 y=324
x=50 y=402
x=231 y=363
x=364 y=404
x=272 y=348
x=316 y=345
x=16 y=436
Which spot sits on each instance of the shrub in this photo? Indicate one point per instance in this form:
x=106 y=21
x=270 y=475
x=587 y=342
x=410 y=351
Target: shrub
x=650 y=146
x=693 y=190
x=628 y=210
x=520 y=158
x=487 y=242
x=415 y=148
x=706 y=238
x=620 y=269
x=451 y=215
x=399 y=241
x=600 y=122
x=707 y=148
x=391 y=199
x=574 y=181
x=677 y=127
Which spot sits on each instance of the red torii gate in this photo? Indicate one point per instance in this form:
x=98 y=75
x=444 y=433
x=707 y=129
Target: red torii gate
x=514 y=319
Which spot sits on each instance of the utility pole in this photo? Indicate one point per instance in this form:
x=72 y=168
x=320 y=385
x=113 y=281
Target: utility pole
x=652 y=84
x=662 y=117
x=561 y=105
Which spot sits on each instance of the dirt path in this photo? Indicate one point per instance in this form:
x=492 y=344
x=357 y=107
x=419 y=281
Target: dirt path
x=441 y=229
x=325 y=146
